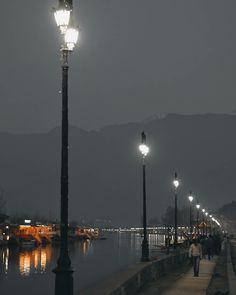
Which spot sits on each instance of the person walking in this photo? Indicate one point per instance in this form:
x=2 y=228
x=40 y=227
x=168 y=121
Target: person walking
x=195 y=253
x=209 y=247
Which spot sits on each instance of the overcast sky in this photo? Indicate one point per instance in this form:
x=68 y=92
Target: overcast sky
x=136 y=58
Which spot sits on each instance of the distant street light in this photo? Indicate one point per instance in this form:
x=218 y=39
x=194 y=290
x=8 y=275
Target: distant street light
x=63 y=271
x=213 y=224
x=198 y=207
x=190 y=197
x=144 y=149
x=206 y=213
x=176 y=185
x=203 y=220
x=210 y=223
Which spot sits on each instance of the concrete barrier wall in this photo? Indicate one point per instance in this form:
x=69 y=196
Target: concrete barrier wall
x=131 y=280
x=231 y=253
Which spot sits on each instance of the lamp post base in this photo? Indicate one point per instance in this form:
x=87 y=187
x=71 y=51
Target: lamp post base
x=64 y=280
x=145 y=251
x=175 y=244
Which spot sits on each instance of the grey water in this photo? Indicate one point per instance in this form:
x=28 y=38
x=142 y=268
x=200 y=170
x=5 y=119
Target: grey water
x=29 y=271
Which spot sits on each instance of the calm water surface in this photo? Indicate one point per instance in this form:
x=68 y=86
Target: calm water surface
x=29 y=271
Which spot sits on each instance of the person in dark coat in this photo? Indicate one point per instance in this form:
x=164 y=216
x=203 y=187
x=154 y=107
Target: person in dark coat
x=209 y=244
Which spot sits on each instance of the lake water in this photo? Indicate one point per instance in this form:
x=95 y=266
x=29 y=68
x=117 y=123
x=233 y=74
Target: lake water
x=29 y=271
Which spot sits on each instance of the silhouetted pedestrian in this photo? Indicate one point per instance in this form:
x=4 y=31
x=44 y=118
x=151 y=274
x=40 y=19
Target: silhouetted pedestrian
x=202 y=242
x=217 y=244
x=209 y=247
x=195 y=253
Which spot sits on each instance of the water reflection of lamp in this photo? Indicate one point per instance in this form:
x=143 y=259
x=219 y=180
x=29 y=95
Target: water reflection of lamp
x=6 y=260
x=43 y=260
x=24 y=264
x=86 y=246
x=36 y=260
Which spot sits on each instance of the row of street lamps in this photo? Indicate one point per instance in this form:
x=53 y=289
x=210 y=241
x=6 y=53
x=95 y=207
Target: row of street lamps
x=144 y=149
x=64 y=271
x=205 y=215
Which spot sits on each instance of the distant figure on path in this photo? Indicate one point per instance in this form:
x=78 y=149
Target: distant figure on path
x=203 y=244
x=195 y=253
x=209 y=247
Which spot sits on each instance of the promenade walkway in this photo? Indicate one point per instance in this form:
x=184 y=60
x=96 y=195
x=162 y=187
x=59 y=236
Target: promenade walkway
x=182 y=282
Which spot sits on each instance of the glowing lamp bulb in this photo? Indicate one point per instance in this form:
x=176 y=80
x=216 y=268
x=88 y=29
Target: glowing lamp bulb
x=144 y=149
x=190 y=199
x=197 y=206
x=71 y=38
x=176 y=183
x=62 y=17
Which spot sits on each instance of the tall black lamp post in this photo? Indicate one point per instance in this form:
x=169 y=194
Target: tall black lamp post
x=63 y=271
x=198 y=207
x=176 y=185
x=206 y=213
x=203 y=221
x=210 y=223
x=190 y=197
x=144 y=149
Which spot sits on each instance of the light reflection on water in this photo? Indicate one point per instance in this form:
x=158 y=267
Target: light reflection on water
x=35 y=260
x=92 y=260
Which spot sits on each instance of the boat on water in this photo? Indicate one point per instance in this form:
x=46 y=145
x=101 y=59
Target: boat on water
x=28 y=244
x=27 y=241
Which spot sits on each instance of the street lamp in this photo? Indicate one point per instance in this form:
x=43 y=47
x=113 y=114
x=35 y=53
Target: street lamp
x=203 y=220
x=206 y=213
x=210 y=223
x=176 y=185
x=144 y=149
x=190 y=197
x=198 y=207
x=63 y=270
x=62 y=15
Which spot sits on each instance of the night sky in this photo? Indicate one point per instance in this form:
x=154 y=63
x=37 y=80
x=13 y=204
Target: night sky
x=136 y=58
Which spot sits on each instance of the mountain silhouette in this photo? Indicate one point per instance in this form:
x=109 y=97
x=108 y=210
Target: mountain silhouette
x=105 y=173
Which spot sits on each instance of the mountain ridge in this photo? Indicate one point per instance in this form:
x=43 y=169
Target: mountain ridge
x=105 y=167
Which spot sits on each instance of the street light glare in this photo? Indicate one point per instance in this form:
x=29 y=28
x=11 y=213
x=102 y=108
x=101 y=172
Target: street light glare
x=203 y=210
x=71 y=38
x=197 y=206
x=190 y=198
x=176 y=183
x=62 y=18
x=144 y=149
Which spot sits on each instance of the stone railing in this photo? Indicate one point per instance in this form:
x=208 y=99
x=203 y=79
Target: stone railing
x=129 y=281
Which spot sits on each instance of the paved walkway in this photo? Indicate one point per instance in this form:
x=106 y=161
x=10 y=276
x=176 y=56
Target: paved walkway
x=182 y=282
